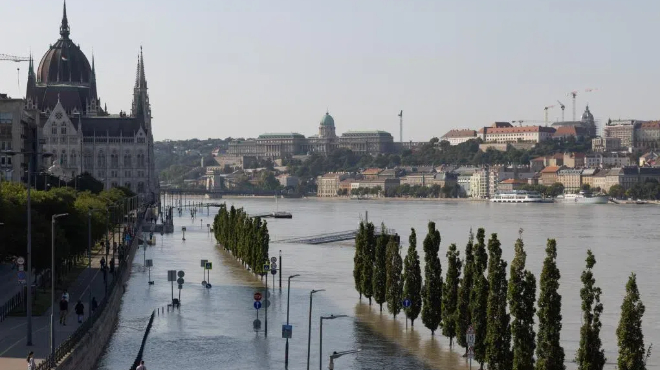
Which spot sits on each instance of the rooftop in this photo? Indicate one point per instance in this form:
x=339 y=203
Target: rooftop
x=460 y=133
x=550 y=169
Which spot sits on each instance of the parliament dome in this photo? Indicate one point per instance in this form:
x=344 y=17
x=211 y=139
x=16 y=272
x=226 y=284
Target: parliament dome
x=64 y=62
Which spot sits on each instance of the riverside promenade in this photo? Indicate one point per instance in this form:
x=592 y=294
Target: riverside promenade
x=13 y=330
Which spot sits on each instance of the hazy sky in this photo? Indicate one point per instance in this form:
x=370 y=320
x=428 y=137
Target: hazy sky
x=243 y=67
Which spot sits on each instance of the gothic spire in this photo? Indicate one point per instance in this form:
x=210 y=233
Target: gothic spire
x=64 y=28
x=140 y=107
x=140 y=77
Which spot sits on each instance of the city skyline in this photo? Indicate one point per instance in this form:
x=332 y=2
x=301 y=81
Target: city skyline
x=250 y=68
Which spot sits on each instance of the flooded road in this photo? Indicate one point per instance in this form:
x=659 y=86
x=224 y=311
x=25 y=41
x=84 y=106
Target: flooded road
x=215 y=326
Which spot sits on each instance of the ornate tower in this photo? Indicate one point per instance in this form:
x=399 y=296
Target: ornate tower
x=327 y=127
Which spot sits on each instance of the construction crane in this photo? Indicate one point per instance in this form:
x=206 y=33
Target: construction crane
x=546 y=113
x=562 y=109
x=13 y=58
x=521 y=121
x=574 y=94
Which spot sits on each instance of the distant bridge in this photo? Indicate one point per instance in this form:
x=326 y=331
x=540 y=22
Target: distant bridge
x=327 y=238
x=218 y=193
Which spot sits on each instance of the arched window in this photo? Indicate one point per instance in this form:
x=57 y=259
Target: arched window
x=63 y=159
x=101 y=159
x=127 y=160
x=140 y=159
x=88 y=161
x=53 y=128
x=63 y=128
x=74 y=160
x=115 y=159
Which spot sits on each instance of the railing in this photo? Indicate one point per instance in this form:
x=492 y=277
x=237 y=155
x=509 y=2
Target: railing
x=9 y=306
x=68 y=345
x=138 y=358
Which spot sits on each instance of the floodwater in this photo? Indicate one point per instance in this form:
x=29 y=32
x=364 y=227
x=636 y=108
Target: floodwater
x=214 y=326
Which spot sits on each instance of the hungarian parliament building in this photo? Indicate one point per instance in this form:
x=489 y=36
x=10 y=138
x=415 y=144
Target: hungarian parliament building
x=279 y=145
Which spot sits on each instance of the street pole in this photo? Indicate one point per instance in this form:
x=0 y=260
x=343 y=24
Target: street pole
x=288 y=295
x=309 y=329
x=52 y=285
x=266 y=304
x=89 y=256
x=29 y=255
x=331 y=317
x=280 y=272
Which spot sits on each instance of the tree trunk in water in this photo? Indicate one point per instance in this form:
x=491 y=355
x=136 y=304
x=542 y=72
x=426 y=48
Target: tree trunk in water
x=369 y=301
x=381 y=308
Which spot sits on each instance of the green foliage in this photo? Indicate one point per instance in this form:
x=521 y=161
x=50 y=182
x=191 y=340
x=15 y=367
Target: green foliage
x=463 y=316
x=498 y=337
x=450 y=294
x=479 y=297
x=522 y=296
x=368 y=266
x=629 y=332
x=87 y=182
x=245 y=237
x=267 y=181
x=647 y=190
x=360 y=241
x=617 y=191
x=412 y=280
x=394 y=282
x=380 y=268
x=432 y=289
x=590 y=355
x=549 y=352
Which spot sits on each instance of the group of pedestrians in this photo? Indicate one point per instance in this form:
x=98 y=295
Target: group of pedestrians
x=79 y=308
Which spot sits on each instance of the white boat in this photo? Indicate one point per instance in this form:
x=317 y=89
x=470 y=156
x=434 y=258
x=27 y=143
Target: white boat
x=583 y=197
x=519 y=196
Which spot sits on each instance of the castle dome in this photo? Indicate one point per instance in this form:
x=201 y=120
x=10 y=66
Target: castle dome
x=587 y=116
x=64 y=62
x=327 y=120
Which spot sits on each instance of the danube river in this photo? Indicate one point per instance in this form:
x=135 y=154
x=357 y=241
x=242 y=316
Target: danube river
x=213 y=328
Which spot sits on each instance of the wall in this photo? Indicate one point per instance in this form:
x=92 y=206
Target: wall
x=91 y=346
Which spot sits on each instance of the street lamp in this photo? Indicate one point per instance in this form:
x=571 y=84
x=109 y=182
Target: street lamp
x=288 y=294
x=309 y=330
x=52 y=284
x=331 y=317
x=29 y=238
x=336 y=354
x=89 y=251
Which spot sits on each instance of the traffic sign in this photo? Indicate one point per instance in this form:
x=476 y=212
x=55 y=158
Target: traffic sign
x=287 y=330
x=470 y=336
x=257 y=305
x=257 y=296
x=208 y=286
x=273 y=259
x=256 y=324
x=204 y=263
x=470 y=353
x=204 y=283
x=266 y=267
x=20 y=260
x=149 y=263
x=273 y=271
x=209 y=266
x=273 y=266
x=180 y=286
x=22 y=278
x=267 y=303
x=179 y=281
x=406 y=303
x=21 y=267
x=171 y=275
x=181 y=274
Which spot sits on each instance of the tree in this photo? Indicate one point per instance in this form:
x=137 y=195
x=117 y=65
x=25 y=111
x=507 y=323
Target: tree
x=463 y=317
x=412 y=280
x=360 y=241
x=479 y=298
x=394 y=283
x=432 y=290
x=380 y=268
x=498 y=336
x=629 y=333
x=549 y=352
x=368 y=266
x=450 y=294
x=617 y=191
x=590 y=355
x=522 y=296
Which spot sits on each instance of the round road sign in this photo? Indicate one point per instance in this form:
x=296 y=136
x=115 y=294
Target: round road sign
x=257 y=305
x=406 y=303
x=208 y=286
x=204 y=283
x=20 y=260
x=180 y=274
x=257 y=296
x=179 y=281
x=267 y=303
x=273 y=271
x=273 y=259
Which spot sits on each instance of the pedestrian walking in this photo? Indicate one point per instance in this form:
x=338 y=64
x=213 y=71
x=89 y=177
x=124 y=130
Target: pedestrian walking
x=80 y=311
x=141 y=366
x=30 y=361
x=95 y=304
x=64 y=310
x=65 y=296
x=112 y=266
x=102 y=263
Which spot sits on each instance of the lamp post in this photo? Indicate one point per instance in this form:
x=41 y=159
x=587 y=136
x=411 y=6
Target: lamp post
x=309 y=330
x=331 y=317
x=288 y=295
x=89 y=252
x=29 y=238
x=52 y=283
x=336 y=354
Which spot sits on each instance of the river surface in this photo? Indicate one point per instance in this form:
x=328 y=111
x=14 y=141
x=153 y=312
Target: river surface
x=213 y=328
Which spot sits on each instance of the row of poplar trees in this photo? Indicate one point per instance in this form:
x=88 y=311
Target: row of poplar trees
x=245 y=237
x=500 y=311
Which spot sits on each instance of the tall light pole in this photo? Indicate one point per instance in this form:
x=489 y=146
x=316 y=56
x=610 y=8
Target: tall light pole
x=89 y=252
x=336 y=354
x=29 y=239
x=331 y=317
x=309 y=330
x=52 y=284
x=288 y=295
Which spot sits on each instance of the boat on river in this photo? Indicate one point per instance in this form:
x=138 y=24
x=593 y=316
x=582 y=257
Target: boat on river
x=519 y=196
x=583 y=197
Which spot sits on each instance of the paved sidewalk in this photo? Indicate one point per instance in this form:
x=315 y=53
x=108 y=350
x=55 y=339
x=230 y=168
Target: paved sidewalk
x=13 y=331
